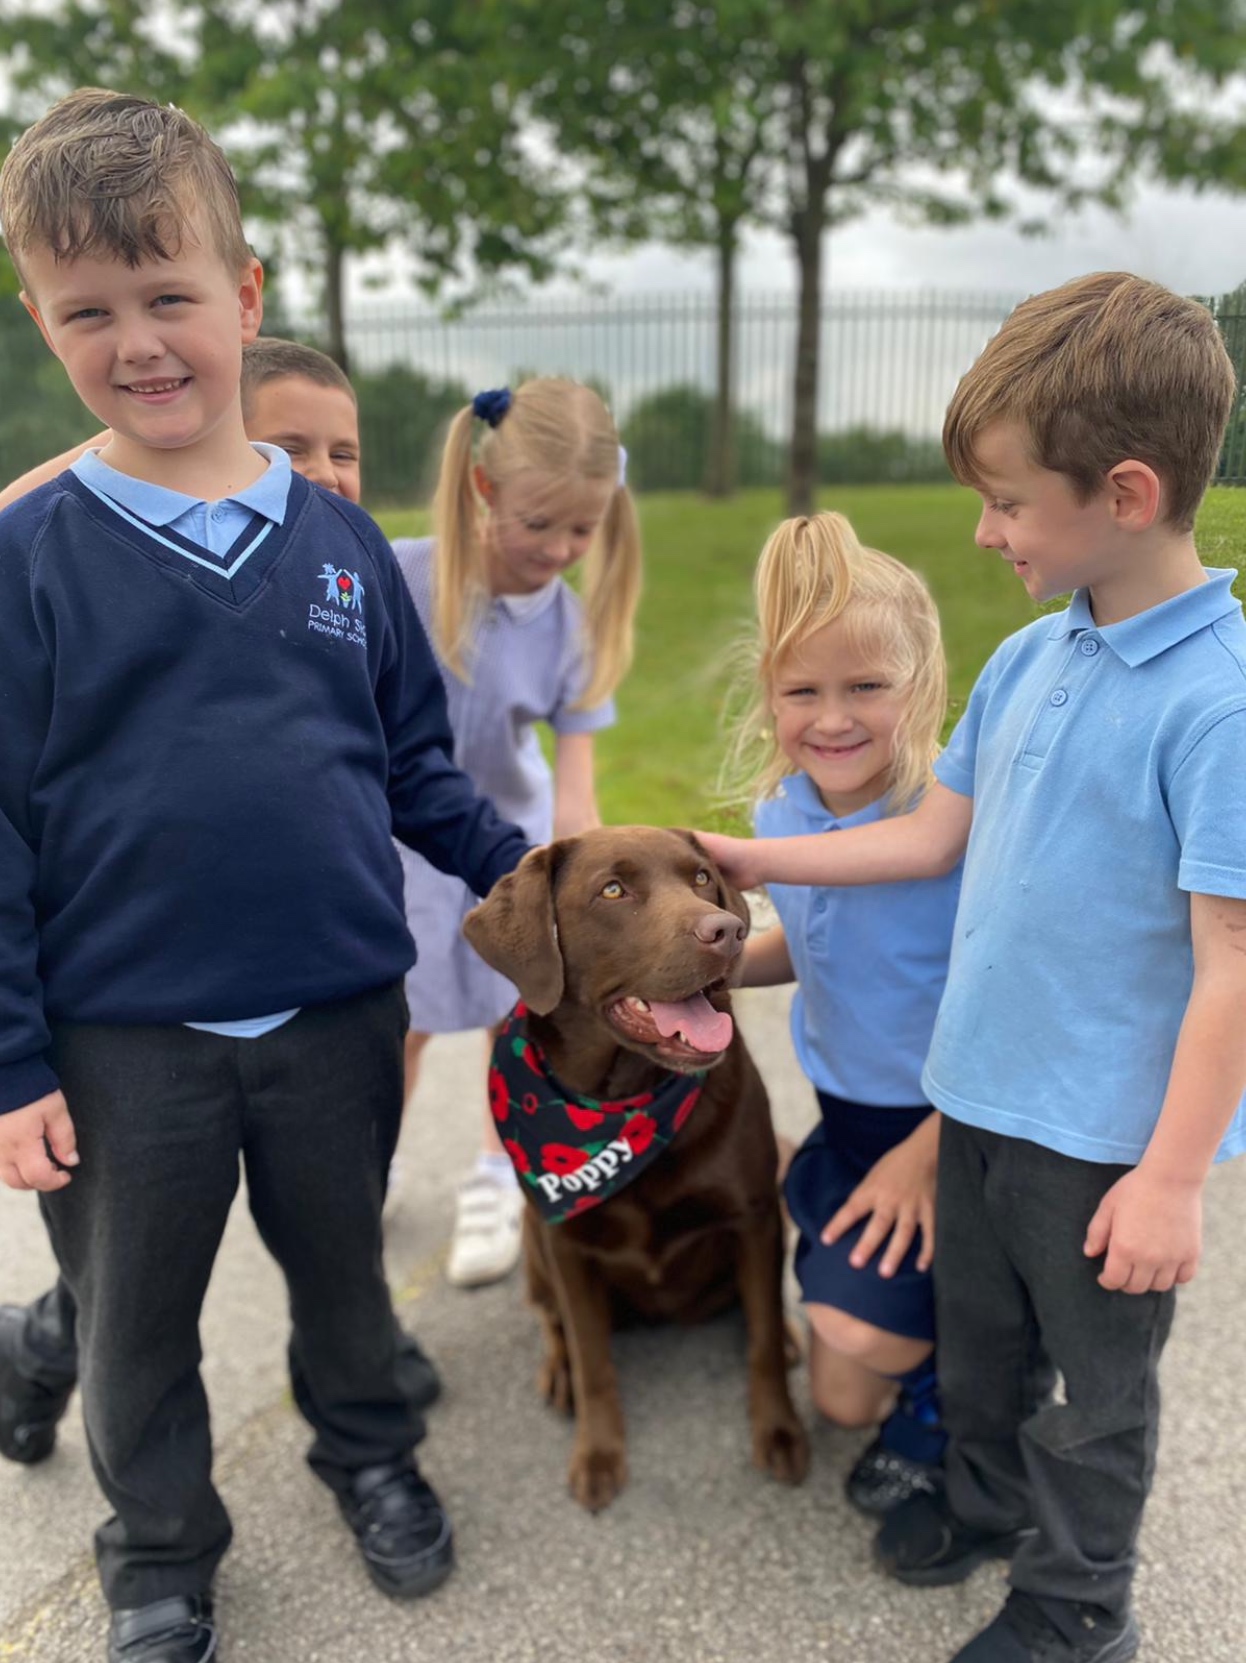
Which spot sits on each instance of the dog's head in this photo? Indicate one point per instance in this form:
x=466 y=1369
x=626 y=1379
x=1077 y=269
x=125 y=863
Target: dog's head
x=634 y=926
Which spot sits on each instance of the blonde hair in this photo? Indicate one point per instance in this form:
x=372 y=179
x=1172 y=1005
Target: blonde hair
x=110 y=175
x=811 y=572
x=1102 y=369
x=559 y=428
x=269 y=358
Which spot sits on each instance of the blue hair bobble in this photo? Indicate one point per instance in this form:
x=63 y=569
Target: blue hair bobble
x=492 y=406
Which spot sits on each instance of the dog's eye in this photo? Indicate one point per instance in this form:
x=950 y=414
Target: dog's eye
x=612 y=891
x=702 y=878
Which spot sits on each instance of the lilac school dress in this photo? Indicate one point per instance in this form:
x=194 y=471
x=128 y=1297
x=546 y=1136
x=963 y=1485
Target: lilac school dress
x=527 y=665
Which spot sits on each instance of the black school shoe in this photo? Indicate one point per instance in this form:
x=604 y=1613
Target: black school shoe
x=28 y=1411
x=1028 y=1630
x=401 y=1528
x=882 y=1480
x=177 y=1630
x=925 y=1545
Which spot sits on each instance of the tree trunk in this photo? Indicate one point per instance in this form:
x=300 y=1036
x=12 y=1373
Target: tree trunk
x=335 y=320
x=802 y=476
x=720 y=470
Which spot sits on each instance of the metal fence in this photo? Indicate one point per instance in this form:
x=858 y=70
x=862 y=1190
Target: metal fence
x=889 y=363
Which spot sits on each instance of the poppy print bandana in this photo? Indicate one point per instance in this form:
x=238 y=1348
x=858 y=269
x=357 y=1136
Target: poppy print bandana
x=572 y=1153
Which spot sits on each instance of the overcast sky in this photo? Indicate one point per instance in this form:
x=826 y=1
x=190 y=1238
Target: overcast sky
x=1194 y=243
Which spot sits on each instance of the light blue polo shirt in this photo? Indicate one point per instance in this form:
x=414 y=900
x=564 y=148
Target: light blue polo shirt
x=1107 y=769
x=870 y=962
x=215 y=527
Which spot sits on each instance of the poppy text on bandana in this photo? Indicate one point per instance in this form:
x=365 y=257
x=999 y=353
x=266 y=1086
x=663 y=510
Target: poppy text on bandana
x=572 y=1153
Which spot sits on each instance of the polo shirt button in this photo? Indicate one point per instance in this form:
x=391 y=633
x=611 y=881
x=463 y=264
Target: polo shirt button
x=1090 y=645
x=218 y=513
x=1059 y=697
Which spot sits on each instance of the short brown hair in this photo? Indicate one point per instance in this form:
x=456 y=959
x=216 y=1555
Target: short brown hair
x=109 y=174
x=1103 y=368
x=269 y=358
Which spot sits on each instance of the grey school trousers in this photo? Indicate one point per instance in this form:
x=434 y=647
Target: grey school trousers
x=1015 y=1297
x=164 y=1117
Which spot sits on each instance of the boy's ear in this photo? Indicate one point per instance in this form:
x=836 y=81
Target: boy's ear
x=250 y=300
x=30 y=306
x=1137 y=494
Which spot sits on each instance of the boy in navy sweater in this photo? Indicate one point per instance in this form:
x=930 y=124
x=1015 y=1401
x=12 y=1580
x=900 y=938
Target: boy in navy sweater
x=215 y=703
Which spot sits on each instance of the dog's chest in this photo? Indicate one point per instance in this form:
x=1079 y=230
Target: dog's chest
x=647 y=1233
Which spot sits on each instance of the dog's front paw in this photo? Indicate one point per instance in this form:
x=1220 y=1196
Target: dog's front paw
x=596 y=1476
x=781 y=1448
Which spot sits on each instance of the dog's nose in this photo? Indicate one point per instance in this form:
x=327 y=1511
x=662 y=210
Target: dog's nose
x=722 y=931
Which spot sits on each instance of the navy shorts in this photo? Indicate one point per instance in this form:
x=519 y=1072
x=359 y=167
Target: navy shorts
x=825 y=1170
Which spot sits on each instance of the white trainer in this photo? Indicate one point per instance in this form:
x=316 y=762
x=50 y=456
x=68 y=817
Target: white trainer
x=486 y=1241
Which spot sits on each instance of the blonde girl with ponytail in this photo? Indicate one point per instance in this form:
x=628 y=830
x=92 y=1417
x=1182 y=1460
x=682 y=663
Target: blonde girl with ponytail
x=846 y=691
x=532 y=485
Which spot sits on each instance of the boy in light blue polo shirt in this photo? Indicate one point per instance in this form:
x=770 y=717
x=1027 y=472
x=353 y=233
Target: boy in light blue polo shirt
x=1089 y=1056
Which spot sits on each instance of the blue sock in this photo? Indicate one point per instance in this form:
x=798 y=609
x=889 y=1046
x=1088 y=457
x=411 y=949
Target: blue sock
x=914 y=1428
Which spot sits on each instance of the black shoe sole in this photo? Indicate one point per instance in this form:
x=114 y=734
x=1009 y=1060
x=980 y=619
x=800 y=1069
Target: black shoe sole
x=419 y=1582
x=942 y=1573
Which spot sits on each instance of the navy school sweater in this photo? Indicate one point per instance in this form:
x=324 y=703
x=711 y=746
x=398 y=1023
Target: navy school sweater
x=201 y=762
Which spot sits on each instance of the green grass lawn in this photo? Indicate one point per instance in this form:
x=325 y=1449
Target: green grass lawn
x=660 y=763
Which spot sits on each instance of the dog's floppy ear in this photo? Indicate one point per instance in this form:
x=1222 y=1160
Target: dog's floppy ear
x=729 y=897
x=513 y=929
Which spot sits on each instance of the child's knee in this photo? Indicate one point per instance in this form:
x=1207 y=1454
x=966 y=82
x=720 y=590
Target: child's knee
x=845 y=1335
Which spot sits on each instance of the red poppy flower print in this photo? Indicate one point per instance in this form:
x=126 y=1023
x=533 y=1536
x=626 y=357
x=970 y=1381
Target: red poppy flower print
x=530 y=1103
x=499 y=1098
x=561 y=1158
x=639 y=1132
x=684 y=1110
x=581 y=1204
x=528 y=1057
x=583 y=1119
x=518 y=1155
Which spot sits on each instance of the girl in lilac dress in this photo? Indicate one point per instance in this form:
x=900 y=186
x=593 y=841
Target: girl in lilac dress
x=532 y=483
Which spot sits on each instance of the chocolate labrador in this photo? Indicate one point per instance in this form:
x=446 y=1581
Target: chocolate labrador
x=622 y=943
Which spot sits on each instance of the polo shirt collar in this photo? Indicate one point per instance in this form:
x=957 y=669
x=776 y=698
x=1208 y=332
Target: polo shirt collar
x=1137 y=640
x=800 y=790
x=159 y=505
x=523 y=607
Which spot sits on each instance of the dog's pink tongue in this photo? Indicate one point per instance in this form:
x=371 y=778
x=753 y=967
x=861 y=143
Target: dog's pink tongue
x=701 y=1025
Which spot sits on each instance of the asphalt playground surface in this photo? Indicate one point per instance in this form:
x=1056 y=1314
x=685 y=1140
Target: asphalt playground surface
x=701 y=1560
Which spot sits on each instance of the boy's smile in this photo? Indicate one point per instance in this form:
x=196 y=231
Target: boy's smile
x=1053 y=542
x=317 y=426
x=154 y=351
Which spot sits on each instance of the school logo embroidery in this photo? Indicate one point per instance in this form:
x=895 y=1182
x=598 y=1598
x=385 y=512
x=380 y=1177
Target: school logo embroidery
x=346 y=588
x=341 y=616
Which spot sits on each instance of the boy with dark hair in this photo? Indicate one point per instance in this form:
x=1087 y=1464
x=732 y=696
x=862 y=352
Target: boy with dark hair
x=1089 y=1056
x=215 y=703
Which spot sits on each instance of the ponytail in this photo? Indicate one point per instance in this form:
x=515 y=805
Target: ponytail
x=458 y=555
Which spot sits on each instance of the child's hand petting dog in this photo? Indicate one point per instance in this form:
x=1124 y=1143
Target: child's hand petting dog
x=897 y=1195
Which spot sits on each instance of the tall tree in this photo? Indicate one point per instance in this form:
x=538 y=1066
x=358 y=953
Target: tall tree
x=353 y=124
x=941 y=111
x=1072 y=98
x=672 y=122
